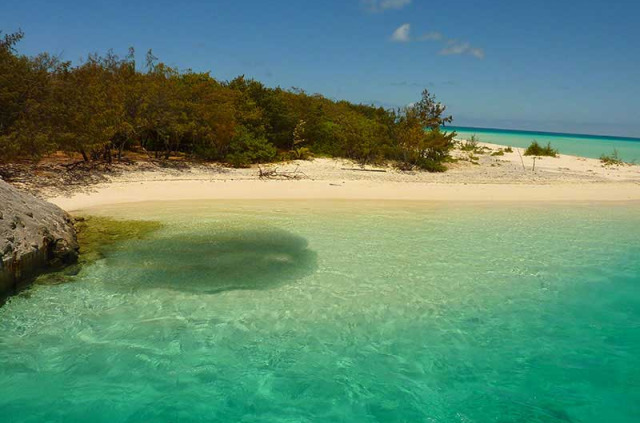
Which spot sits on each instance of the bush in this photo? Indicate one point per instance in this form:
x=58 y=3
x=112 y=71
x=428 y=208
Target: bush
x=500 y=152
x=246 y=149
x=421 y=164
x=536 y=149
x=612 y=159
x=302 y=153
x=238 y=160
x=470 y=145
x=431 y=165
x=508 y=150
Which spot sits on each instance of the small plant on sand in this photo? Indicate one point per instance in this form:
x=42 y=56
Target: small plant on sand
x=500 y=152
x=302 y=153
x=536 y=149
x=470 y=145
x=508 y=150
x=612 y=159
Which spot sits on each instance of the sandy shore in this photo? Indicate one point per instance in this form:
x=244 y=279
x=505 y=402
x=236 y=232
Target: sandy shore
x=475 y=177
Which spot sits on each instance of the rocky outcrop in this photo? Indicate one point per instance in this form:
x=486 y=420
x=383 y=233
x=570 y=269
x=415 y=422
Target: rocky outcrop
x=34 y=236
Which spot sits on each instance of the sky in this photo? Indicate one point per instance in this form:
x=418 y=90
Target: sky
x=561 y=65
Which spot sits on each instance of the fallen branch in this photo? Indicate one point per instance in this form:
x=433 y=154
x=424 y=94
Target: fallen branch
x=363 y=170
x=274 y=174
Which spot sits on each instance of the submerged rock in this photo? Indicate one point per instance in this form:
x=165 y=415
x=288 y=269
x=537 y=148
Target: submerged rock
x=34 y=236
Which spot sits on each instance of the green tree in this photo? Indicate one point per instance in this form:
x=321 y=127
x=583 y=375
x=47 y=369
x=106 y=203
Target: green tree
x=106 y=105
x=421 y=141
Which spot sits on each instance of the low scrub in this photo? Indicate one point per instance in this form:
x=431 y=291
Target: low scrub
x=535 y=149
x=302 y=153
x=470 y=145
x=612 y=159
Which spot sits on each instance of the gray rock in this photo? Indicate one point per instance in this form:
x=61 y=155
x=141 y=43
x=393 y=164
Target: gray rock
x=29 y=246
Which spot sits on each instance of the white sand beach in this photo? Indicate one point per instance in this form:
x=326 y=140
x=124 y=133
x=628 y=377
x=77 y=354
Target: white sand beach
x=500 y=178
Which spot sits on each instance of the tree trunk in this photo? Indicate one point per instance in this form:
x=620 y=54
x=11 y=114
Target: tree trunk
x=107 y=153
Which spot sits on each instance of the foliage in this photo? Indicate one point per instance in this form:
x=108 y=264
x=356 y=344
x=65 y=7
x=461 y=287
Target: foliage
x=470 y=145
x=106 y=105
x=298 y=133
x=612 y=159
x=246 y=149
x=536 y=149
x=420 y=148
x=508 y=150
x=302 y=153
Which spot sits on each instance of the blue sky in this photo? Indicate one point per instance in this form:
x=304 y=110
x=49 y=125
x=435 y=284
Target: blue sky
x=563 y=65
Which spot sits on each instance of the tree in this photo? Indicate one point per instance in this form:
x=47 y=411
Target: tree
x=107 y=105
x=421 y=141
x=431 y=112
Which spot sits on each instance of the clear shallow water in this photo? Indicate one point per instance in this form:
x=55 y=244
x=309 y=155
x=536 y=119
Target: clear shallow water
x=572 y=144
x=319 y=312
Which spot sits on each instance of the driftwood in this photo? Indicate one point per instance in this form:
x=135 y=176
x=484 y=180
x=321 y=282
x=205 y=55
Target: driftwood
x=272 y=173
x=363 y=170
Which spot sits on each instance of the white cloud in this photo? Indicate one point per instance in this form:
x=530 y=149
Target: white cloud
x=455 y=47
x=402 y=34
x=394 y=4
x=382 y=5
x=477 y=52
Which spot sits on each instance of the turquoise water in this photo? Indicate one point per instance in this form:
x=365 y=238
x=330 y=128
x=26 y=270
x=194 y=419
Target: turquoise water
x=572 y=144
x=339 y=312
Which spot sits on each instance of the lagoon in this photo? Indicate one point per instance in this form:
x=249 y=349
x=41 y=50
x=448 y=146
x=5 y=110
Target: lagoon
x=318 y=311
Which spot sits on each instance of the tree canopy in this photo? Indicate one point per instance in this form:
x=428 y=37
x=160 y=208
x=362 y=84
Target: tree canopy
x=108 y=105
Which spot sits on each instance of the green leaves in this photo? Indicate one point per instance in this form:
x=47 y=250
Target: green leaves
x=106 y=104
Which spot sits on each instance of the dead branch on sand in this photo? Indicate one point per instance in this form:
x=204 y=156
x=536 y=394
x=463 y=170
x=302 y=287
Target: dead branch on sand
x=272 y=173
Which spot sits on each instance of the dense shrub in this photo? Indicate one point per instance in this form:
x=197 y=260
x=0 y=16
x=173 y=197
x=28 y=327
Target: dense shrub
x=107 y=104
x=247 y=149
x=536 y=149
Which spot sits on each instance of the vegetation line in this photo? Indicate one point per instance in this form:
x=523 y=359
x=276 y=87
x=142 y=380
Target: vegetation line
x=101 y=109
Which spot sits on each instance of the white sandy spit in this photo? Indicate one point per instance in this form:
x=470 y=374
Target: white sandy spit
x=507 y=178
